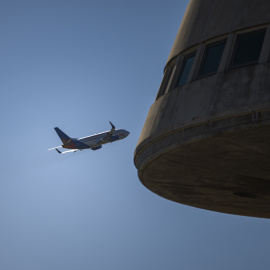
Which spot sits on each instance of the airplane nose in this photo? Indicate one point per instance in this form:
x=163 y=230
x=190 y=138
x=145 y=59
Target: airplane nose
x=127 y=133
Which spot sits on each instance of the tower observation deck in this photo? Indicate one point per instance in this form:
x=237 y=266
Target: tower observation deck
x=206 y=139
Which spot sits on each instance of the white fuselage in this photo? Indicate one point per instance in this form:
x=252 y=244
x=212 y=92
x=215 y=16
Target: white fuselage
x=94 y=140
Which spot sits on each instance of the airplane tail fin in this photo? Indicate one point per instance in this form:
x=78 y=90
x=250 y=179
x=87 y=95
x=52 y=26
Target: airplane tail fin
x=64 y=137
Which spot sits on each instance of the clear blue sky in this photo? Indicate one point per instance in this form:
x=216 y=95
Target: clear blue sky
x=77 y=65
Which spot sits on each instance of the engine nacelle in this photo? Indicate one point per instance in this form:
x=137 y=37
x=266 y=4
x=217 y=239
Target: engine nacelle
x=96 y=148
x=114 y=138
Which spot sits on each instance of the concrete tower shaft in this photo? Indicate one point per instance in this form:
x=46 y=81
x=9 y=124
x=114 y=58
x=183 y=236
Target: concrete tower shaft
x=207 y=19
x=206 y=139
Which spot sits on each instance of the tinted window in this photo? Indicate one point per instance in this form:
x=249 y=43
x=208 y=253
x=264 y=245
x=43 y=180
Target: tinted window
x=187 y=64
x=248 y=48
x=211 y=59
x=164 y=82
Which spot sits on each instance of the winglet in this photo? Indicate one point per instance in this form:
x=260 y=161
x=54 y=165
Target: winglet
x=113 y=127
x=58 y=151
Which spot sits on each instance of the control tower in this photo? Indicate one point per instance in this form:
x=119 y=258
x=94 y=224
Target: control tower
x=206 y=139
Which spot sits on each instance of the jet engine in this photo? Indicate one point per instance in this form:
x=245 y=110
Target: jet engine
x=96 y=148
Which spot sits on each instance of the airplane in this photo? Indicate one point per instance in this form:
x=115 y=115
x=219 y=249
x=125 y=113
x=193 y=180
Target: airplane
x=93 y=142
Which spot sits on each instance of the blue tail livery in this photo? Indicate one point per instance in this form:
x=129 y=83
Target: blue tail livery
x=63 y=136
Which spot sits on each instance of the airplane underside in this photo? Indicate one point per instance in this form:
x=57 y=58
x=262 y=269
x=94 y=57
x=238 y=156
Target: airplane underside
x=75 y=144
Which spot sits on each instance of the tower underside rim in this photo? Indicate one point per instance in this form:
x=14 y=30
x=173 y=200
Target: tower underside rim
x=215 y=167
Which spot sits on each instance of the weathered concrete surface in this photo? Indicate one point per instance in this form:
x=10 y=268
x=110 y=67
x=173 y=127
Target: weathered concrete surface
x=225 y=170
x=222 y=95
x=206 y=19
x=207 y=143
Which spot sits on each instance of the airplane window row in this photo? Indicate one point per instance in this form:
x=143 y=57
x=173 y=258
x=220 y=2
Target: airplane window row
x=246 y=51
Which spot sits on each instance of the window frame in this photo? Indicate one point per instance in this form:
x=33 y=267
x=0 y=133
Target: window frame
x=182 y=68
x=210 y=45
x=165 y=81
x=232 y=64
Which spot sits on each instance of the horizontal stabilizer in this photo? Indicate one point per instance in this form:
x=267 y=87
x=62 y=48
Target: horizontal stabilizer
x=69 y=151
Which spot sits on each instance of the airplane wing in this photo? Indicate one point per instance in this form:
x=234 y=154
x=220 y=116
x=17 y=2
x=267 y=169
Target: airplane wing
x=55 y=148
x=69 y=151
x=108 y=135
